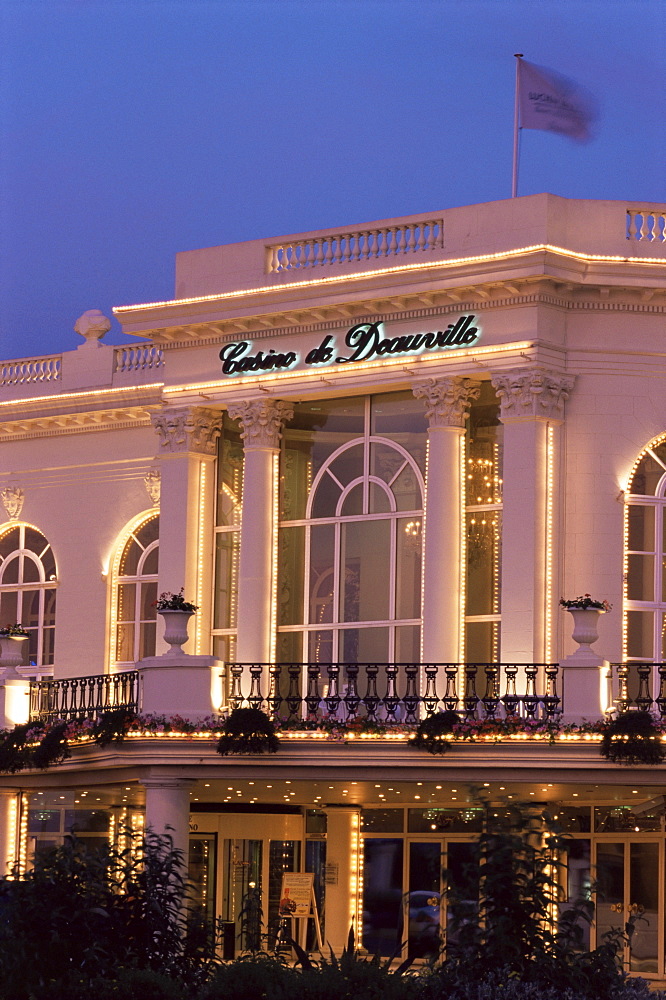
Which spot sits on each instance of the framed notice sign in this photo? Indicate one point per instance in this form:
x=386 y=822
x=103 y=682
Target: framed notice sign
x=296 y=894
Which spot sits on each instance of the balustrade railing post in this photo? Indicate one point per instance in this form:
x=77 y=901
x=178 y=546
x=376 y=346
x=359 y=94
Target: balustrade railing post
x=392 y=699
x=450 y=699
x=352 y=698
x=293 y=698
x=470 y=697
x=644 y=698
x=371 y=699
x=430 y=701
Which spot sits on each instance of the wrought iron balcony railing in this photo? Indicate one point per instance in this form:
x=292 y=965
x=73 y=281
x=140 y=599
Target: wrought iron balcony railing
x=392 y=693
x=83 y=697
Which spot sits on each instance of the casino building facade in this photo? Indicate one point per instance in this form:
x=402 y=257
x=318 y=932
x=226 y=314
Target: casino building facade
x=375 y=458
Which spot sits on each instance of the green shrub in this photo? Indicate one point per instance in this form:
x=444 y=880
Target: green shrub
x=84 y=914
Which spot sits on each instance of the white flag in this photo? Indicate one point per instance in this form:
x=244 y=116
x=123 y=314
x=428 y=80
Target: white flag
x=553 y=103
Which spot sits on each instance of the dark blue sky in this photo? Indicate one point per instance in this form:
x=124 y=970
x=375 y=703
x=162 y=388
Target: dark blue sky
x=132 y=129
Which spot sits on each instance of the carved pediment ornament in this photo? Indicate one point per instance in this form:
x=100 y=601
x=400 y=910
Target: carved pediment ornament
x=533 y=392
x=261 y=421
x=13 y=498
x=447 y=400
x=188 y=428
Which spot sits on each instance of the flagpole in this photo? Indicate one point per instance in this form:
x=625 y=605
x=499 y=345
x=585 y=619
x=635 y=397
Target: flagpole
x=514 y=179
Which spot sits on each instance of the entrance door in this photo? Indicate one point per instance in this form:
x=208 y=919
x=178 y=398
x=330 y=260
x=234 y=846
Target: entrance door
x=629 y=876
x=425 y=920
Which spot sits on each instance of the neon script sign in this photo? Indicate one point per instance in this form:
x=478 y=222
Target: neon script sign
x=365 y=342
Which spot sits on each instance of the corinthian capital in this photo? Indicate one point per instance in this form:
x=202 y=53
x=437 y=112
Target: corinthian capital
x=447 y=400
x=261 y=420
x=188 y=428
x=532 y=392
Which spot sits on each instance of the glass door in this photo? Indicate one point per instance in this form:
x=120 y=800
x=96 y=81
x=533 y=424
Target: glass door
x=629 y=875
x=426 y=922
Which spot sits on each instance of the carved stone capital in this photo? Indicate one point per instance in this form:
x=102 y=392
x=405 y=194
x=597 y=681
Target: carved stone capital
x=261 y=421
x=532 y=392
x=13 y=499
x=188 y=428
x=447 y=400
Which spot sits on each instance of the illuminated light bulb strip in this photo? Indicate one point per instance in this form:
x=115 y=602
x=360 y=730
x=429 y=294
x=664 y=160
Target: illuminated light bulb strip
x=550 y=465
x=316 y=376
x=462 y=515
x=198 y=633
x=354 y=873
x=625 y=579
x=23 y=834
x=429 y=265
x=274 y=556
x=12 y=835
x=423 y=540
x=79 y=395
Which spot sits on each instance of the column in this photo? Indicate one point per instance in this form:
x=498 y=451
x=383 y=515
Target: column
x=261 y=421
x=343 y=858
x=532 y=411
x=188 y=448
x=447 y=403
x=168 y=809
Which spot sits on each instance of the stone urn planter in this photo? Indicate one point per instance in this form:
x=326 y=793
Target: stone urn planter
x=176 y=629
x=176 y=612
x=586 y=626
x=11 y=652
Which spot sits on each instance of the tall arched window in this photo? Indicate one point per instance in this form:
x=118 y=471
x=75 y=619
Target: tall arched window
x=645 y=556
x=350 y=580
x=133 y=613
x=28 y=581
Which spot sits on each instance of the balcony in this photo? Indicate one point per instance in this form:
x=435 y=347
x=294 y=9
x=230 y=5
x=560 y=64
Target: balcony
x=388 y=694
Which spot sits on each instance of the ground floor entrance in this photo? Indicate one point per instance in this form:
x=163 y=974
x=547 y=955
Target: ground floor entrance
x=384 y=854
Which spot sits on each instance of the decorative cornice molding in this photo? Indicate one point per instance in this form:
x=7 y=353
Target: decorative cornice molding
x=447 y=400
x=261 y=420
x=532 y=392
x=270 y=325
x=74 y=423
x=188 y=428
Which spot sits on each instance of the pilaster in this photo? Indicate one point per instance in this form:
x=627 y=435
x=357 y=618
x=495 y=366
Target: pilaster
x=447 y=402
x=532 y=411
x=261 y=422
x=187 y=450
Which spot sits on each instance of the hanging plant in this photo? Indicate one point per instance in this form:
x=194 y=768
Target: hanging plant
x=432 y=732
x=632 y=738
x=52 y=748
x=15 y=749
x=112 y=727
x=247 y=730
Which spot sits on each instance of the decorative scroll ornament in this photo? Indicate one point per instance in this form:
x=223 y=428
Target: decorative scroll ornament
x=447 y=399
x=153 y=482
x=13 y=498
x=188 y=428
x=261 y=420
x=533 y=392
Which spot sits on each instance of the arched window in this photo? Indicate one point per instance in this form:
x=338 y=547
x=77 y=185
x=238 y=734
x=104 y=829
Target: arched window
x=359 y=536
x=28 y=581
x=134 y=592
x=645 y=556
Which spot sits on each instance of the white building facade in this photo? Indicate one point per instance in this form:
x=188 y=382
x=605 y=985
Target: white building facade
x=375 y=458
